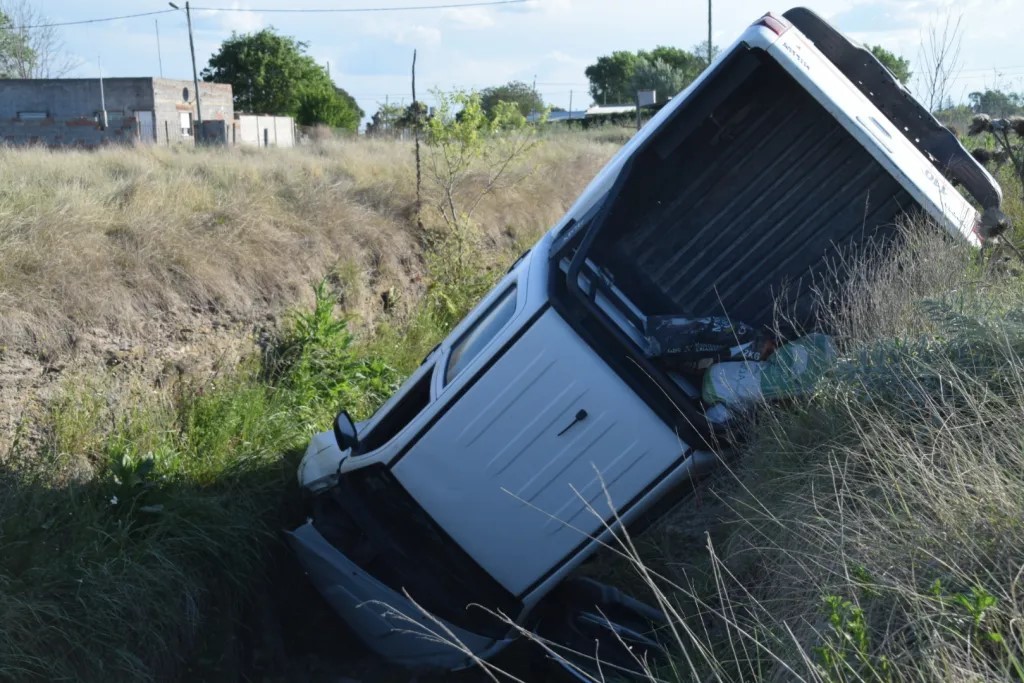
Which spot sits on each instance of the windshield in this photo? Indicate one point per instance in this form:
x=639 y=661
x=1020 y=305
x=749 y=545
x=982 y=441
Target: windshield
x=398 y=411
x=480 y=334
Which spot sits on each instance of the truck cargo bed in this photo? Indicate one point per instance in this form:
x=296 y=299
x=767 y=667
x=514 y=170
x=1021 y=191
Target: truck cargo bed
x=749 y=196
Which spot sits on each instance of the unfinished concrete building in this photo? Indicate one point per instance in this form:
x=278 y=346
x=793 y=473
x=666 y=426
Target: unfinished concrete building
x=88 y=112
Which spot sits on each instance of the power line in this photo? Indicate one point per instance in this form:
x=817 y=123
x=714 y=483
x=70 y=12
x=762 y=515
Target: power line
x=403 y=8
x=93 y=21
x=483 y=3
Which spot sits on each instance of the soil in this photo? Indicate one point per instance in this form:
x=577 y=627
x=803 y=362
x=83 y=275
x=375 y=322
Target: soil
x=190 y=343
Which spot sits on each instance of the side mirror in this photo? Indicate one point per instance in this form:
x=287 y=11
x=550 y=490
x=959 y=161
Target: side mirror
x=345 y=432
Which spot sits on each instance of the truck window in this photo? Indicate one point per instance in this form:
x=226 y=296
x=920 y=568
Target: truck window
x=400 y=413
x=480 y=334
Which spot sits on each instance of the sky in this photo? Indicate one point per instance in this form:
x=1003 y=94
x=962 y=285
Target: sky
x=547 y=42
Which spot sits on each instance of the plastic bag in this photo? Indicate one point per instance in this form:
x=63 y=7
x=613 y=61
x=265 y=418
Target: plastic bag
x=792 y=370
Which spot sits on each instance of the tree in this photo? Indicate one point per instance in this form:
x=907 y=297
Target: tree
x=518 y=93
x=611 y=77
x=29 y=47
x=386 y=121
x=898 y=66
x=320 y=104
x=271 y=74
x=350 y=101
x=700 y=50
x=939 y=60
x=686 y=63
x=463 y=142
x=664 y=79
x=14 y=49
x=996 y=103
x=615 y=78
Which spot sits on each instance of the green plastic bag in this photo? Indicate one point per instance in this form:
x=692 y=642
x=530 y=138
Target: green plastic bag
x=792 y=370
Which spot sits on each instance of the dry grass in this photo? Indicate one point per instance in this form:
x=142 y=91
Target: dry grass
x=117 y=237
x=874 y=531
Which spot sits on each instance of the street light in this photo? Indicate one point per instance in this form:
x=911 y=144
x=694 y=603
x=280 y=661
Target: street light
x=195 y=74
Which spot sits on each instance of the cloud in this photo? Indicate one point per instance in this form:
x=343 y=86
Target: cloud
x=418 y=35
x=471 y=17
x=562 y=58
x=240 y=21
x=541 y=6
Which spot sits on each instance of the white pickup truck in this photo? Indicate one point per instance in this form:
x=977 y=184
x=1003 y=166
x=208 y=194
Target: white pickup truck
x=486 y=479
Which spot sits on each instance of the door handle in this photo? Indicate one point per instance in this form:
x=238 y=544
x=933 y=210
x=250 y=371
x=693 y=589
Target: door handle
x=580 y=416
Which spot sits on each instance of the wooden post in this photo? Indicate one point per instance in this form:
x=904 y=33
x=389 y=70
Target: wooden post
x=709 y=32
x=167 y=132
x=416 y=132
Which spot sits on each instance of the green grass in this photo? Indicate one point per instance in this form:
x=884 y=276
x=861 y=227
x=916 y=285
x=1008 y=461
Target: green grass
x=136 y=529
x=141 y=523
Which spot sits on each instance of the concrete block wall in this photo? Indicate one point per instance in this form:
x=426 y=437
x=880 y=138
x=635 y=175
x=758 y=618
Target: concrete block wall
x=74 y=132
x=71 y=98
x=169 y=98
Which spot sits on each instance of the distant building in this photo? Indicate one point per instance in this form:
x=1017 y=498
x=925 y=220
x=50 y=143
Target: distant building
x=558 y=116
x=75 y=112
x=263 y=130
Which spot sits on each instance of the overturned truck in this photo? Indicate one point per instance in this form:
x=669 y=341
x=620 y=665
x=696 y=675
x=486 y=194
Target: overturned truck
x=575 y=397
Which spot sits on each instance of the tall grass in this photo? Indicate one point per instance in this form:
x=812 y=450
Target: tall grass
x=133 y=536
x=119 y=237
x=873 y=531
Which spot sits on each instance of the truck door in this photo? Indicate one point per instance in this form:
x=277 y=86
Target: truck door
x=509 y=469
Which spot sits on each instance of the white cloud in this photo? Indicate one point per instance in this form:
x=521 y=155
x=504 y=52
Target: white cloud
x=471 y=17
x=418 y=35
x=240 y=21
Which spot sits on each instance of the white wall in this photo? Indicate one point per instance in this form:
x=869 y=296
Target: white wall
x=249 y=130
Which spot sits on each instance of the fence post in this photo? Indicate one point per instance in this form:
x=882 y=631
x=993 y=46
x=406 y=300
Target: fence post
x=266 y=137
x=167 y=132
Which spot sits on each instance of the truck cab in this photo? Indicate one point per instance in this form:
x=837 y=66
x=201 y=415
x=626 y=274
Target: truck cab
x=542 y=423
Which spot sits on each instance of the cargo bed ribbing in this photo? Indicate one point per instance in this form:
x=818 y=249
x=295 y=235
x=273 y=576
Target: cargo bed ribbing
x=754 y=201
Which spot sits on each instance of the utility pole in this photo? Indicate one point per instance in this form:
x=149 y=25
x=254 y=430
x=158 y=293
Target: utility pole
x=709 y=33
x=195 y=73
x=159 y=54
x=103 y=100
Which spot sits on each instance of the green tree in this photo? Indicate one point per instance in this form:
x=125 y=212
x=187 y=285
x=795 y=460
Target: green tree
x=700 y=51
x=687 y=63
x=518 y=93
x=321 y=104
x=271 y=74
x=350 y=101
x=996 y=103
x=615 y=78
x=464 y=142
x=387 y=120
x=899 y=66
x=611 y=77
x=664 y=79
x=15 y=51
